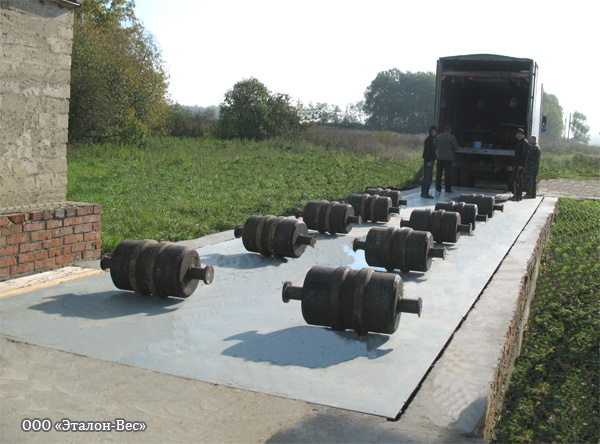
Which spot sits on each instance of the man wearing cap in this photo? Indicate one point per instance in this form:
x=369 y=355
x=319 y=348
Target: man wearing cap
x=428 y=161
x=519 y=162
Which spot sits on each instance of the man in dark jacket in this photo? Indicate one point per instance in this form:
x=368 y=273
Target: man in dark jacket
x=532 y=167
x=446 y=144
x=519 y=162
x=429 y=157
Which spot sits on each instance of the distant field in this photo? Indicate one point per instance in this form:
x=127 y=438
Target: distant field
x=173 y=189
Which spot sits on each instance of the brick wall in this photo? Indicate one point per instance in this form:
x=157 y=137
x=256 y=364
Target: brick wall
x=41 y=238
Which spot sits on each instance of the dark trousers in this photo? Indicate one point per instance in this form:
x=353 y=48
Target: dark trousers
x=427 y=178
x=518 y=185
x=531 y=183
x=443 y=167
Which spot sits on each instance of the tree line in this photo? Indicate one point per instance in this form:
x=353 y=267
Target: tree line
x=119 y=92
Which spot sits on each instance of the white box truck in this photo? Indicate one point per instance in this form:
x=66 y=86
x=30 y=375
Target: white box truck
x=486 y=98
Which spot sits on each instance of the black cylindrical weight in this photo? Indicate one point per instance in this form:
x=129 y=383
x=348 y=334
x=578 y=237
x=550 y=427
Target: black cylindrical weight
x=467 y=211
x=445 y=226
x=158 y=268
x=328 y=217
x=373 y=208
x=485 y=204
x=402 y=249
x=275 y=236
x=362 y=300
x=395 y=195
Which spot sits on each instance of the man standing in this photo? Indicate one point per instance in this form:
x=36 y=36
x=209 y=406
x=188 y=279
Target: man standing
x=446 y=144
x=428 y=161
x=532 y=167
x=519 y=162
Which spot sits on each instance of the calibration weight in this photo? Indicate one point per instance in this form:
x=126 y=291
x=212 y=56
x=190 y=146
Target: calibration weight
x=156 y=268
x=328 y=217
x=361 y=300
x=275 y=236
x=402 y=249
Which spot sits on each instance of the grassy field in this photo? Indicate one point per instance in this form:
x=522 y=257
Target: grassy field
x=554 y=392
x=172 y=189
x=569 y=161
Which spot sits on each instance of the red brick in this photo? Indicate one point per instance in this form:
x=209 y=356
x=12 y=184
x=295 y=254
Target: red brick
x=77 y=256
x=17 y=218
x=13 y=229
x=53 y=252
x=8 y=261
x=97 y=209
x=59 y=213
x=40 y=255
x=8 y=251
x=22 y=268
x=84 y=228
x=97 y=244
x=3 y=221
x=47 y=214
x=68 y=221
x=52 y=243
x=82 y=211
x=36 y=226
x=61 y=232
x=27 y=257
x=91 y=254
x=97 y=226
x=35 y=215
x=40 y=236
x=26 y=248
x=53 y=223
x=91 y=218
x=73 y=239
x=4 y=272
x=92 y=236
x=3 y=241
x=80 y=247
x=17 y=239
x=66 y=259
x=67 y=249
x=46 y=263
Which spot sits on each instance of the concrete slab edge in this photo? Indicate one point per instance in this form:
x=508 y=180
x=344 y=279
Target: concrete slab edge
x=465 y=388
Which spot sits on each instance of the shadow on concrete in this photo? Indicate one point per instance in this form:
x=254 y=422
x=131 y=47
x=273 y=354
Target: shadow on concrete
x=106 y=305
x=307 y=346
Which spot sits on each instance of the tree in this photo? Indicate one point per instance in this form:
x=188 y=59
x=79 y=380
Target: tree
x=250 y=111
x=554 y=118
x=579 y=128
x=118 y=81
x=401 y=101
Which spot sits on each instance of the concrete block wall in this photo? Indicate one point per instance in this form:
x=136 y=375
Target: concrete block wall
x=35 y=53
x=41 y=238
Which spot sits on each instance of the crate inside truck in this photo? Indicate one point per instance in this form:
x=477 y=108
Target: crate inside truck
x=486 y=98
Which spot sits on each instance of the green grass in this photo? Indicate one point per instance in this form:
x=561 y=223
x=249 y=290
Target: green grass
x=173 y=189
x=569 y=160
x=554 y=392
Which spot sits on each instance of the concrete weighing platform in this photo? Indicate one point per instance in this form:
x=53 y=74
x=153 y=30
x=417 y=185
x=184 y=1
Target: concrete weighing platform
x=441 y=374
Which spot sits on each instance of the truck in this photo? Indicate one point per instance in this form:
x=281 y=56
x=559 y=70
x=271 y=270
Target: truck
x=485 y=98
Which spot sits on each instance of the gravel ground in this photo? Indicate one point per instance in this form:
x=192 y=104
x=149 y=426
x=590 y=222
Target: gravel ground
x=576 y=189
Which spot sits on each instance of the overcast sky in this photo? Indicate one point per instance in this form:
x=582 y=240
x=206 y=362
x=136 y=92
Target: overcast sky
x=329 y=51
